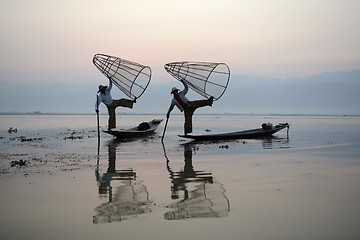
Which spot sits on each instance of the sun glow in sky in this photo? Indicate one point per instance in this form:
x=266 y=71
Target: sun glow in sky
x=54 y=41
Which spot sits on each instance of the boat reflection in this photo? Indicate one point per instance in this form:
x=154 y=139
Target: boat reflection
x=272 y=142
x=127 y=195
x=201 y=196
x=275 y=143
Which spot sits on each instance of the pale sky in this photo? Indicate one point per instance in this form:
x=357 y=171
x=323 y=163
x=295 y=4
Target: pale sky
x=48 y=41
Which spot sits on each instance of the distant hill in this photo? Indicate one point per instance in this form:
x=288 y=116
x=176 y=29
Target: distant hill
x=326 y=93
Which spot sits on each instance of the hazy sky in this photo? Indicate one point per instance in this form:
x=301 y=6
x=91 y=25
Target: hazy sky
x=45 y=41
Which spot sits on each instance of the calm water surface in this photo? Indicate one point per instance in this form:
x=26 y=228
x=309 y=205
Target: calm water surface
x=301 y=185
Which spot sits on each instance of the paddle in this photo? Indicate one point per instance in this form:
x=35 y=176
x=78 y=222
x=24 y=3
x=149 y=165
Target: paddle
x=162 y=138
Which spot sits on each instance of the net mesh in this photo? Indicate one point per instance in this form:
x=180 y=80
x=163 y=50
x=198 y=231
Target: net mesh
x=131 y=199
x=206 y=78
x=130 y=77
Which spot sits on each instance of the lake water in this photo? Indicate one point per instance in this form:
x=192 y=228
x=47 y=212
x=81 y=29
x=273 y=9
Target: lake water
x=300 y=185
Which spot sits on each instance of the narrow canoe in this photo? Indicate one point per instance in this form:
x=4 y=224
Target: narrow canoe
x=138 y=131
x=247 y=134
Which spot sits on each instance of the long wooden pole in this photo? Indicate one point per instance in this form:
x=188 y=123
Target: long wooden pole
x=98 y=123
x=162 y=138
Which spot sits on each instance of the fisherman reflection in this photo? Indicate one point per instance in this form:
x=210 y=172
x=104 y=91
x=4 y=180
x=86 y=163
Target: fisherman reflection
x=130 y=196
x=202 y=197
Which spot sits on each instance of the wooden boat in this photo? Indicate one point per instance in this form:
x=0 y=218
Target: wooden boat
x=247 y=134
x=143 y=129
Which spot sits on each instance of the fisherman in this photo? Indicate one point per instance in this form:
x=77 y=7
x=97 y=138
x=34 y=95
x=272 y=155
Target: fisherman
x=111 y=104
x=184 y=105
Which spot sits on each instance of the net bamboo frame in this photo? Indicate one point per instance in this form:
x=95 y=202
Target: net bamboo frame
x=130 y=77
x=206 y=78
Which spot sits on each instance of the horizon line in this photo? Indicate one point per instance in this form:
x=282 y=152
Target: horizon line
x=38 y=113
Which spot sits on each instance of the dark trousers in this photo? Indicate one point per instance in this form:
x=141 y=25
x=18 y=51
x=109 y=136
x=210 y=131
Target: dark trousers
x=189 y=111
x=111 y=109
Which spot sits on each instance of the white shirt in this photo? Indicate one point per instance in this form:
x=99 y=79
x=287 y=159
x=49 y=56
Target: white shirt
x=105 y=97
x=183 y=98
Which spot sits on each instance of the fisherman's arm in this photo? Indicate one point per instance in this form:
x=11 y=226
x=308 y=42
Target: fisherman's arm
x=186 y=87
x=110 y=85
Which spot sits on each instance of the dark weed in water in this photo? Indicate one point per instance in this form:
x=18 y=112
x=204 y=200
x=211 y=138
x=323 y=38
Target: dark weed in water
x=31 y=139
x=224 y=146
x=25 y=139
x=75 y=135
x=18 y=163
x=11 y=129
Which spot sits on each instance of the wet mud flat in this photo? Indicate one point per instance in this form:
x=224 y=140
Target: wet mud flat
x=31 y=152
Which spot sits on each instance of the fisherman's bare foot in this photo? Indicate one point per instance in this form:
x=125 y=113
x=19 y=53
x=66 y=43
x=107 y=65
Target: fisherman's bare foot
x=211 y=100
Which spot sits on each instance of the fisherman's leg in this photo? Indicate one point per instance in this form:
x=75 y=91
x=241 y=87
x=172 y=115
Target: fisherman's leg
x=188 y=119
x=123 y=103
x=112 y=117
x=189 y=111
x=201 y=103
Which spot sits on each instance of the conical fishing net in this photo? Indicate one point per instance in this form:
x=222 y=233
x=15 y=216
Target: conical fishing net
x=206 y=78
x=129 y=200
x=130 y=77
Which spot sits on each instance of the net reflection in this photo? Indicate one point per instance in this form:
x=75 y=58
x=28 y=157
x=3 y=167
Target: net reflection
x=127 y=195
x=200 y=196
